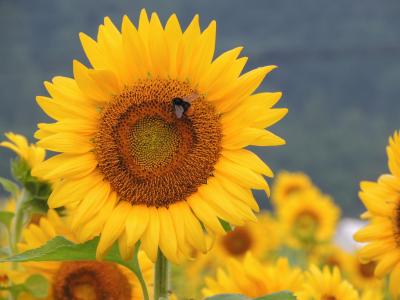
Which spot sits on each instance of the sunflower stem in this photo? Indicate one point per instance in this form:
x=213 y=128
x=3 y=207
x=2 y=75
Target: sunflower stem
x=161 y=274
x=18 y=222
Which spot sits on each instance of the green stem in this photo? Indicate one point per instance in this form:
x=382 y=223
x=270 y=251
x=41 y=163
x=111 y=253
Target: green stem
x=18 y=222
x=161 y=277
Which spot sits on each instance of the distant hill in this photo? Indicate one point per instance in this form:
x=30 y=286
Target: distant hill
x=339 y=71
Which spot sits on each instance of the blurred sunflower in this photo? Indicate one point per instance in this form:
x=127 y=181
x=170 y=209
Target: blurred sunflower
x=382 y=200
x=362 y=274
x=288 y=184
x=258 y=238
x=31 y=153
x=330 y=255
x=308 y=218
x=326 y=285
x=254 y=279
x=372 y=294
x=9 y=275
x=152 y=137
x=81 y=279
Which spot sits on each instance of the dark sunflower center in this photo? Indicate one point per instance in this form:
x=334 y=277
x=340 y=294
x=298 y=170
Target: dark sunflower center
x=150 y=153
x=292 y=189
x=367 y=270
x=237 y=242
x=328 y=297
x=90 y=280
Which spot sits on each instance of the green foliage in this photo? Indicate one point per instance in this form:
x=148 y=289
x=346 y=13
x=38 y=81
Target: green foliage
x=61 y=249
x=284 y=295
x=9 y=186
x=6 y=218
x=36 y=285
x=228 y=297
x=227 y=227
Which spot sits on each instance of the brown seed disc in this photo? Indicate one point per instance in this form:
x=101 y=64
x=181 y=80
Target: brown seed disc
x=149 y=154
x=367 y=270
x=90 y=280
x=237 y=242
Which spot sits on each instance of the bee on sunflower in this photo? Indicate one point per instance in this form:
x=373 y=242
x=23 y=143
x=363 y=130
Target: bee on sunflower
x=151 y=137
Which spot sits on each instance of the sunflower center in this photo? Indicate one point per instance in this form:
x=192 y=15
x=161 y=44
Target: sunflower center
x=367 y=270
x=292 y=189
x=328 y=297
x=153 y=142
x=150 y=153
x=237 y=242
x=90 y=280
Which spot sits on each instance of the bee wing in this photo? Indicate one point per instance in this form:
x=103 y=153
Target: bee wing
x=191 y=97
x=179 y=110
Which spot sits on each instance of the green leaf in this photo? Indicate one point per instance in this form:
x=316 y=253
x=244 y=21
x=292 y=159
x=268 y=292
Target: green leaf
x=61 y=249
x=227 y=227
x=37 y=286
x=9 y=186
x=284 y=295
x=227 y=297
x=6 y=218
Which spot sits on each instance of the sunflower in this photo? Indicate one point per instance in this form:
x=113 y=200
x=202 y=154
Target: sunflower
x=330 y=255
x=81 y=279
x=326 y=285
x=10 y=275
x=288 y=184
x=382 y=200
x=254 y=279
x=362 y=274
x=250 y=237
x=152 y=137
x=372 y=294
x=308 y=218
x=31 y=153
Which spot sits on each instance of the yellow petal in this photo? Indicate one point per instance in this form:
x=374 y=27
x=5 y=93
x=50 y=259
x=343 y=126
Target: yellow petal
x=150 y=238
x=66 y=142
x=168 y=242
x=113 y=228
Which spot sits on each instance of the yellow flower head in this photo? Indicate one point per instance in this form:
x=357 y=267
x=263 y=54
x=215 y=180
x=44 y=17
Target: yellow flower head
x=362 y=274
x=330 y=255
x=309 y=217
x=81 y=279
x=257 y=238
x=254 y=279
x=31 y=153
x=382 y=200
x=288 y=184
x=326 y=285
x=151 y=137
x=372 y=294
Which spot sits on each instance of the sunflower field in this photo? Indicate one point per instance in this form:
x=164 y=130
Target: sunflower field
x=141 y=184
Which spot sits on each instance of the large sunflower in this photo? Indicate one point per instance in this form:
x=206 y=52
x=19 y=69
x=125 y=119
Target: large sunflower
x=81 y=279
x=254 y=279
x=382 y=200
x=326 y=285
x=152 y=137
